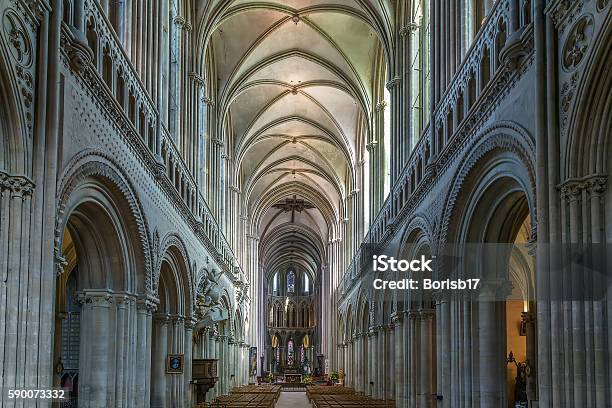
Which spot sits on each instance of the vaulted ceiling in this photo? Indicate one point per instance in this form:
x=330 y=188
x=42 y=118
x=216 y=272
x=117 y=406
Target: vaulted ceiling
x=294 y=88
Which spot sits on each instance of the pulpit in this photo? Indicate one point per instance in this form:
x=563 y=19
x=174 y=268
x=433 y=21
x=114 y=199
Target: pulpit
x=204 y=376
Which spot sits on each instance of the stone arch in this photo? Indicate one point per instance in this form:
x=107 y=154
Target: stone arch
x=99 y=211
x=419 y=229
x=14 y=151
x=174 y=253
x=490 y=200
x=500 y=142
x=92 y=177
x=589 y=147
x=226 y=303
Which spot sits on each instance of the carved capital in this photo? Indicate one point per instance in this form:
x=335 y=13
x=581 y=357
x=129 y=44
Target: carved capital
x=190 y=323
x=161 y=319
x=393 y=83
x=18 y=186
x=197 y=79
x=147 y=305
x=397 y=318
x=427 y=314
x=95 y=299
x=597 y=185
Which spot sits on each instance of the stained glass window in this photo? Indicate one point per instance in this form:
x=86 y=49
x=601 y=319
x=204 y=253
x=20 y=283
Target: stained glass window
x=291 y=282
x=290 y=353
x=302 y=355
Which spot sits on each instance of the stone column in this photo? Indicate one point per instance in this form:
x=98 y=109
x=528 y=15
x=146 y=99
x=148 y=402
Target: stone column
x=122 y=351
x=17 y=279
x=358 y=364
x=159 y=388
x=177 y=344
x=188 y=349
x=426 y=392
x=349 y=363
x=491 y=358
x=413 y=348
x=219 y=347
x=144 y=321
x=380 y=362
x=399 y=376
x=371 y=389
x=94 y=362
x=216 y=340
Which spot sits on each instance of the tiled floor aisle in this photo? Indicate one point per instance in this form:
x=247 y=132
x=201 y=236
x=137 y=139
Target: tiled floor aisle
x=293 y=399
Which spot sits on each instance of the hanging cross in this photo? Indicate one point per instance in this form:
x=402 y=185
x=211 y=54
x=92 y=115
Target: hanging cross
x=293 y=204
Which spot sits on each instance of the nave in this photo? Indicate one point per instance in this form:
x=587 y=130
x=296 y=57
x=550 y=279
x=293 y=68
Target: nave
x=192 y=191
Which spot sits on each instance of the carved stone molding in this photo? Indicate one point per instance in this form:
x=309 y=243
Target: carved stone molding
x=571 y=189
x=95 y=299
x=97 y=165
x=161 y=319
x=79 y=54
x=147 y=305
x=16 y=33
x=602 y=4
x=18 y=186
x=563 y=12
x=394 y=82
x=577 y=42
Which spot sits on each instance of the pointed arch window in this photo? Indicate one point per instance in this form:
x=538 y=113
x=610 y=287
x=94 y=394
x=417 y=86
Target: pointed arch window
x=291 y=282
x=275 y=283
x=306 y=283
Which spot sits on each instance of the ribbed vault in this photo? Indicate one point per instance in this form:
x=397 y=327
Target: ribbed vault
x=294 y=87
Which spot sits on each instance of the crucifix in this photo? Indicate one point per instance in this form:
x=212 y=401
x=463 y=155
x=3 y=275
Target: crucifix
x=293 y=204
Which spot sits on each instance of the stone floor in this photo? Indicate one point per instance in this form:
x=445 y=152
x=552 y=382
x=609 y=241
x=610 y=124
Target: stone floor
x=293 y=399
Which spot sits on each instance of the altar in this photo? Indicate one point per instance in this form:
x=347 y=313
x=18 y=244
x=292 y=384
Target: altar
x=293 y=378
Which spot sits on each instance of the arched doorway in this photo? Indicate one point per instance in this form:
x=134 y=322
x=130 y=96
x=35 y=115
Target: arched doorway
x=491 y=201
x=67 y=324
x=172 y=340
x=497 y=250
x=96 y=310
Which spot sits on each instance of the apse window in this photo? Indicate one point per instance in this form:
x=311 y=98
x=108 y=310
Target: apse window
x=291 y=282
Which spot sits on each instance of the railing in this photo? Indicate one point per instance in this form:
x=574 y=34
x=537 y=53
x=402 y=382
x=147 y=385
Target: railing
x=117 y=85
x=294 y=298
x=310 y=328
x=472 y=92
